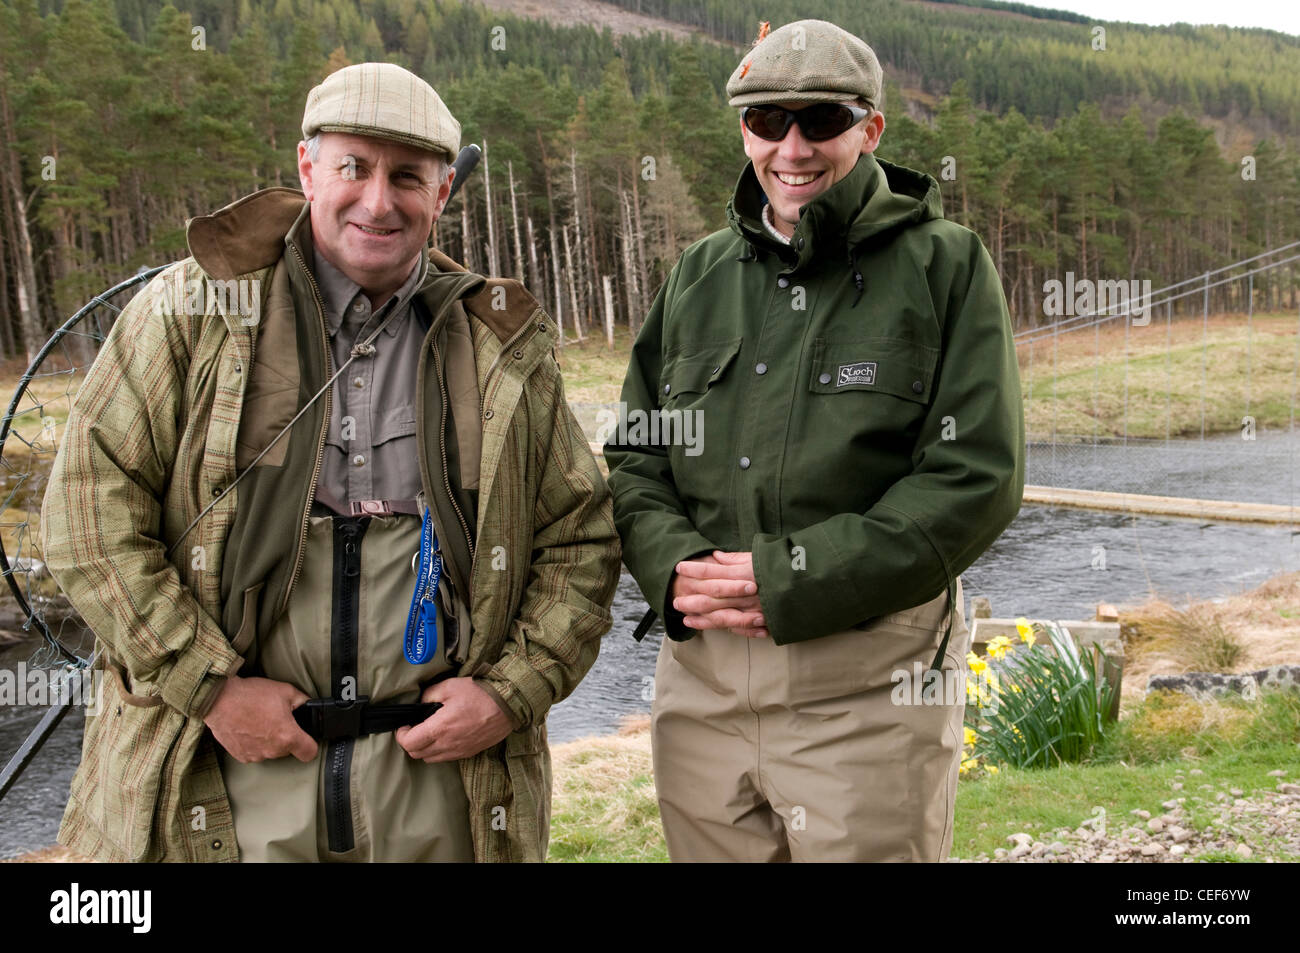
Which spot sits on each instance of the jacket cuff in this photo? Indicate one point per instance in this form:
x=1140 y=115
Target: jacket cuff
x=191 y=682
x=515 y=687
x=515 y=721
x=672 y=619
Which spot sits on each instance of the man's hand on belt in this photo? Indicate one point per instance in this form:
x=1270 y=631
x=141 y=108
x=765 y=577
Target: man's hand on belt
x=252 y=718
x=468 y=722
x=719 y=592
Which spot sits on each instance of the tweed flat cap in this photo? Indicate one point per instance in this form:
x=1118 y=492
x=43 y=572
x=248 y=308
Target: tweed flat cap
x=808 y=60
x=382 y=100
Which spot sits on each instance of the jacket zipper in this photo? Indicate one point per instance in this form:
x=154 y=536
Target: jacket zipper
x=442 y=447
x=345 y=619
x=320 y=442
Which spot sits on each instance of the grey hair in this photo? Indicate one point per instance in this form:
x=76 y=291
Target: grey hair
x=312 y=146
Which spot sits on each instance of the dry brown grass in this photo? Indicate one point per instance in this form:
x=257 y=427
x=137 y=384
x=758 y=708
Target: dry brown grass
x=1240 y=633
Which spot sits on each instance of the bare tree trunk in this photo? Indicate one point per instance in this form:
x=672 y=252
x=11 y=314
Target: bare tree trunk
x=573 y=286
x=536 y=277
x=494 y=266
x=559 y=287
x=575 y=278
x=609 y=311
x=643 y=273
x=514 y=222
x=629 y=254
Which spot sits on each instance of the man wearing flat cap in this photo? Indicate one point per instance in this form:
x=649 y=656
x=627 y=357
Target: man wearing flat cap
x=851 y=354
x=320 y=481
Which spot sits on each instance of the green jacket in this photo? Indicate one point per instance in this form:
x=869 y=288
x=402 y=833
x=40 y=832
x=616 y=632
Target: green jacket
x=182 y=398
x=859 y=402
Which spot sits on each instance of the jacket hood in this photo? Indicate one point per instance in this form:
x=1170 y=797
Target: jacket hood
x=875 y=198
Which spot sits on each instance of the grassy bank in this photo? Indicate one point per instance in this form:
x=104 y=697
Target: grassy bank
x=1170 y=747
x=1176 y=376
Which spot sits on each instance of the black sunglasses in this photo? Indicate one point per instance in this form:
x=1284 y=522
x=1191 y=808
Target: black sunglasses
x=818 y=122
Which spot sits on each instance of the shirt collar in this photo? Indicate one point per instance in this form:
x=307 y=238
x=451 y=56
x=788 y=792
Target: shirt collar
x=339 y=291
x=770 y=225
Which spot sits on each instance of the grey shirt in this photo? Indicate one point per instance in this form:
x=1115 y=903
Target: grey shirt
x=370 y=447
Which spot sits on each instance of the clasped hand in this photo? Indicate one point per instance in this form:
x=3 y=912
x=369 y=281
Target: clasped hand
x=719 y=592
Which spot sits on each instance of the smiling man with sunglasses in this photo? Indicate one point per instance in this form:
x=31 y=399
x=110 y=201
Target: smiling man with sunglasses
x=847 y=355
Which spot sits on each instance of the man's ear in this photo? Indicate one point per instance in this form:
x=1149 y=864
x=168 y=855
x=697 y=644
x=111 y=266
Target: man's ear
x=744 y=136
x=304 y=170
x=873 y=129
x=444 y=193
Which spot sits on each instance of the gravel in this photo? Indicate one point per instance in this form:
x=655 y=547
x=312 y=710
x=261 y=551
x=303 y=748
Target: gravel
x=1264 y=827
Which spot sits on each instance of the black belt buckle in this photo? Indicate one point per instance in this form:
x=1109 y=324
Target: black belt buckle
x=330 y=718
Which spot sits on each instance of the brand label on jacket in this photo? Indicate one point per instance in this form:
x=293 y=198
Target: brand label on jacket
x=861 y=373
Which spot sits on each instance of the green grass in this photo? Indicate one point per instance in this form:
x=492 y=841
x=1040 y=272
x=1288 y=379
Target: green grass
x=1173 y=377
x=605 y=808
x=1040 y=801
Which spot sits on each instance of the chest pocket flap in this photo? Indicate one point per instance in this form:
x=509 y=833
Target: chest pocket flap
x=891 y=366
x=694 y=368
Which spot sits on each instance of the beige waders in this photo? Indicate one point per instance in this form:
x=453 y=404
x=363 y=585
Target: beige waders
x=812 y=751
x=362 y=799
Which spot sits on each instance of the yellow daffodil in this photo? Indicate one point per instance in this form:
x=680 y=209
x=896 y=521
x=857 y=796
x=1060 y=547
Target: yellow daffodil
x=998 y=646
x=977 y=664
x=991 y=769
x=1026 y=631
x=969 y=736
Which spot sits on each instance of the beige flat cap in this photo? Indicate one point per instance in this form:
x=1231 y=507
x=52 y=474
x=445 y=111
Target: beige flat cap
x=808 y=60
x=382 y=100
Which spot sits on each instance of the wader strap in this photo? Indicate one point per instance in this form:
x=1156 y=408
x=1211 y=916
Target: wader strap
x=943 y=646
x=330 y=719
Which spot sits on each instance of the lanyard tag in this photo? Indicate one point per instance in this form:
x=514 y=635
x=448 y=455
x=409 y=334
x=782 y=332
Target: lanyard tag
x=421 y=639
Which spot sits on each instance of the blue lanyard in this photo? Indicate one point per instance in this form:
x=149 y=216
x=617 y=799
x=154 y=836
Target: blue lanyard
x=422 y=621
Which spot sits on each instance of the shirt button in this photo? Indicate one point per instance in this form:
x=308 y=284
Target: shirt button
x=359 y=306
x=783 y=282
x=487 y=415
x=917 y=387
x=798 y=243
x=239 y=368
x=744 y=463
x=667 y=388
x=760 y=368
x=358 y=382
x=359 y=460
x=519 y=355
x=824 y=379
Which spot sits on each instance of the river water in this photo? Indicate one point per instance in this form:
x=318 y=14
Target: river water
x=1052 y=562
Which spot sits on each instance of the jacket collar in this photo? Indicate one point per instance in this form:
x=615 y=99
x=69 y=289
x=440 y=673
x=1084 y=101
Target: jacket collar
x=875 y=197
x=252 y=234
